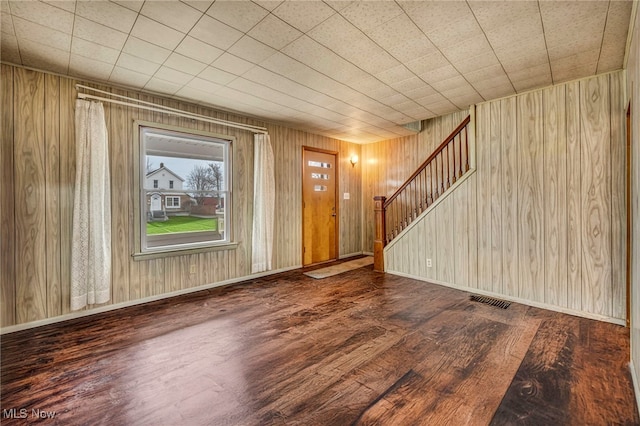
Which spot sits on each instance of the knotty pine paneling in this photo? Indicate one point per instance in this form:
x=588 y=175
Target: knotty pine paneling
x=544 y=217
x=38 y=163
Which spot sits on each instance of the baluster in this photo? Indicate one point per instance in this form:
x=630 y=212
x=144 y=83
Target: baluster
x=448 y=167
x=460 y=172
x=441 y=172
x=430 y=183
x=466 y=147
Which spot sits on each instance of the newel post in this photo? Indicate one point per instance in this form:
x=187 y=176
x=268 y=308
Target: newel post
x=380 y=224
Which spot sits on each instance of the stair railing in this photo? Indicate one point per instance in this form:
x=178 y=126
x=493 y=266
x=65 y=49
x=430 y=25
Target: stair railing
x=440 y=170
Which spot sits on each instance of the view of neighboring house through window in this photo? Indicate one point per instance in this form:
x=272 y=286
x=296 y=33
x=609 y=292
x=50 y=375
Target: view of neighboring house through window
x=185 y=190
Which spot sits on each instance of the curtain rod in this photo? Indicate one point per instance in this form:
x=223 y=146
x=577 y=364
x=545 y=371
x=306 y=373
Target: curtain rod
x=165 y=110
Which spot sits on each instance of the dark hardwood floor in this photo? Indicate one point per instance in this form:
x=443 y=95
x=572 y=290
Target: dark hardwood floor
x=357 y=348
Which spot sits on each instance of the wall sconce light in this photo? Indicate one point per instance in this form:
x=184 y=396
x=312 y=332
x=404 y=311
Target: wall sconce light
x=354 y=160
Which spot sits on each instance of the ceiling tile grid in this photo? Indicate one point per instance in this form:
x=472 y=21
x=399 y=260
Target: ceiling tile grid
x=354 y=70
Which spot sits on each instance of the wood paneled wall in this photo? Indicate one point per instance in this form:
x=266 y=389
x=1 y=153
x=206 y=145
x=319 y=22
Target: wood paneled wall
x=542 y=219
x=633 y=92
x=37 y=162
x=387 y=165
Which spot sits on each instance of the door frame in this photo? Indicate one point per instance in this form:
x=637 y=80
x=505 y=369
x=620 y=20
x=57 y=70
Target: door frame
x=337 y=199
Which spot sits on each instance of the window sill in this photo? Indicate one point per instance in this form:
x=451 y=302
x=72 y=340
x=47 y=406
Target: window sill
x=182 y=252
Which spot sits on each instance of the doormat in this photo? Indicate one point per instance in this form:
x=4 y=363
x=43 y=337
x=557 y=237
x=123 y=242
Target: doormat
x=330 y=271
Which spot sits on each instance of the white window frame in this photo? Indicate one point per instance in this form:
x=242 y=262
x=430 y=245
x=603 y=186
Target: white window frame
x=143 y=250
x=173 y=204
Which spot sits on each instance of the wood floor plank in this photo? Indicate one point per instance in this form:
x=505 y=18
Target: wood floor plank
x=357 y=348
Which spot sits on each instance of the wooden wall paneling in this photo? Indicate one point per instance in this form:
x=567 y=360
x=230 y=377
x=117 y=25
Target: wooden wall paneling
x=472 y=206
x=596 y=191
x=574 y=197
x=445 y=240
x=461 y=234
x=509 y=214
x=67 y=184
x=120 y=139
x=618 y=195
x=7 y=214
x=555 y=214
x=483 y=182
x=30 y=207
x=52 y=194
x=432 y=250
x=530 y=196
x=495 y=160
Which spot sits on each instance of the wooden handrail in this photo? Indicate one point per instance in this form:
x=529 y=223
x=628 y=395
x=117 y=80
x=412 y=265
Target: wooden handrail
x=433 y=155
x=394 y=214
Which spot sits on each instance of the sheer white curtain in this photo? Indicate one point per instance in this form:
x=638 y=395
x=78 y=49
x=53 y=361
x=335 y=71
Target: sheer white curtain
x=263 y=204
x=91 y=246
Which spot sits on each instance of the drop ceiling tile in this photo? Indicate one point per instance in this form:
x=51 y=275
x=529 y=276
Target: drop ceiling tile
x=43 y=14
x=208 y=85
x=467 y=48
x=374 y=60
x=127 y=77
x=303 y=15
x=395 y=32
x=92 y=50
x=427 y=63
x=9 y=51
x=137 y=64
x=241 y=15
x=145 y=50
x=523 y=63
x=563 y=21
x=200 y=5
x=156 y=33
x=454 y=84
x=421 y=92
x=412 y=49
x=496 y=92
x=611 y=58
x=216 y=75
x=491 y=81
x=438 y=75
x=412 y=84
x=134 y=5
x=251 y=50
x=367 y=15
x=473 y=64
x=26 y=30
x=232 y=64
x=198 y=50
x=86 y=67
x=173 y=76
x=184 y=64
x=216 y=33
x=532 y=82
x=67 y=5
x=395 y=74
x=491 y=14
x=173 y=14
x=268 y=4
x=6 y=24
x=572 y=47
x=41 y=56
x=573 y=73
x=527 y=73
x=444 y=22
x=161 y=86
x=274 y=32
x=98 y=33
x=578 y=60
x=338 y=5
x=109 y=14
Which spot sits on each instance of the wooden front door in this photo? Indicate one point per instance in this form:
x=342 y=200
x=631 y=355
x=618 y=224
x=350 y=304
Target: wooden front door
x=319 y=207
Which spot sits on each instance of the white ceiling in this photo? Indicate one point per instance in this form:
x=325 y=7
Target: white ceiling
x=353 y=70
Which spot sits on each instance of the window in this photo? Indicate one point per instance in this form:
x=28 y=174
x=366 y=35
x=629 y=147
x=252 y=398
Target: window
x=185 y=196
x=173 y=202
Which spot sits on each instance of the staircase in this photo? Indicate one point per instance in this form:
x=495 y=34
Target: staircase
x=448 y=163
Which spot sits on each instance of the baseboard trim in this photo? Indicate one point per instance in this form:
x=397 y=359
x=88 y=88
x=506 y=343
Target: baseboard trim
x=107 y=308
x=534 y=304
x=344 y=256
